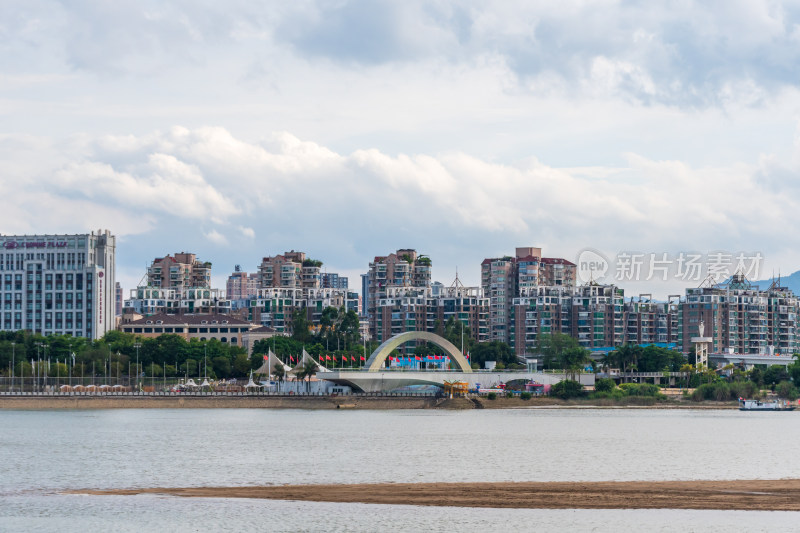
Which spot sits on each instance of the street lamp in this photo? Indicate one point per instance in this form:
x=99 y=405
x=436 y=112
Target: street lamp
x=13 y=358
x=137 y=345
x=38 y=362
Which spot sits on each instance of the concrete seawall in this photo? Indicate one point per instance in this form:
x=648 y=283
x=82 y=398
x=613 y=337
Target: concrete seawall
x=215 y=402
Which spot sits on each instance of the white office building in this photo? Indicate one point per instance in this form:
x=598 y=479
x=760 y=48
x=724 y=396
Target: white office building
x=58 y=284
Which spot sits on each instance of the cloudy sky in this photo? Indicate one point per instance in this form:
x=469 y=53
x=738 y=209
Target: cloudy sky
x=348 y=129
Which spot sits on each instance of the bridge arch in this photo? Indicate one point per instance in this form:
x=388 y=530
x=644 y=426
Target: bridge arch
x=376 y=360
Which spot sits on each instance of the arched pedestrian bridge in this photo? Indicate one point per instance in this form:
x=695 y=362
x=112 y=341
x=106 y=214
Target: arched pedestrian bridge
x=378 y=357
x=376 y=378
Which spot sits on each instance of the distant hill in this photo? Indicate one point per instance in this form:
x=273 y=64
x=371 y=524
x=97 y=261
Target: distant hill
x=791 y=281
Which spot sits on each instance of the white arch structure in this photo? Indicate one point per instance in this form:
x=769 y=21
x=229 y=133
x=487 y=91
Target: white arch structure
x=375 y=361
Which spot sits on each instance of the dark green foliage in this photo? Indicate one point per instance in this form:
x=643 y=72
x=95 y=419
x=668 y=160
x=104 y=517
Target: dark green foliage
x=301 y=326
x=743 y=389
x=491 y=396
x=718 y=391
x=492 y=351
x=604 y=385
x=640 y=389
x=786 y=390
x=525 y=395
x=567 y=389
x=633 y=358
x=775 y=374
x=794 y=372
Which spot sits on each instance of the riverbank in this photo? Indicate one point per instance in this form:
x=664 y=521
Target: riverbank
x=216 y=402
x=335 y=402
x=755 y=495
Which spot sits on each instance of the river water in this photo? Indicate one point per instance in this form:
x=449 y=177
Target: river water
x=45 y=452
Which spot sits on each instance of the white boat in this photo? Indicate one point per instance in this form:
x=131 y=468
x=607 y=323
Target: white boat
x=758 y=405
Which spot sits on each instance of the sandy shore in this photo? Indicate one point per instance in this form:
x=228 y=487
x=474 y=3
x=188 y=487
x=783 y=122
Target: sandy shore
x=777 y=495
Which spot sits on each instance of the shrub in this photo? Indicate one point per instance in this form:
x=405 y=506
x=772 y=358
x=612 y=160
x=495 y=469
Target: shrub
x=604 y=385
x=718 y=390
x=615 y=394
x=743 y=389
x=491 y=396
x=786 y=391
x=509 y=394
x=567 y=389
x=640 y=389
x=525 y=395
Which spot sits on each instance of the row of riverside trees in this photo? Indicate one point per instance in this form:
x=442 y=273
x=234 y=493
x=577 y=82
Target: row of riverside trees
x=115 y=354
x=564 y=352
x=338 y=336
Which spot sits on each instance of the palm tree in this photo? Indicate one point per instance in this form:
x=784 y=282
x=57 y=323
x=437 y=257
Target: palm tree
x=309 y=369
x=607 y=360
x=573 y=361
x=628 y=355
x=279 y=373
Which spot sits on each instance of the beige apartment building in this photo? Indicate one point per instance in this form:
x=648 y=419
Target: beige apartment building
x=183 y=270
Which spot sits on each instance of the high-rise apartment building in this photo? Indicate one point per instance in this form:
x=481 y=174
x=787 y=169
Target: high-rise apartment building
x=148 y=301
x=402 y=269
x=741 y=318
x=404 y=309
x=241 y=285
x=292 y=270
x=597 y=316
x=58 y=284
x=181 y=271
x=505 y=278
x=651 y=322
x=556 y=272
x=274 y=307
x=332 y=280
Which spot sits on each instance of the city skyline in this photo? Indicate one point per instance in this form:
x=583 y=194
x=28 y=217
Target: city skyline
x=351 y=128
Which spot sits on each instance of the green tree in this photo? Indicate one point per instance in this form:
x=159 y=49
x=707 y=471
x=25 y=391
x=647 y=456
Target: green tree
x=221 y=366
x=551 y=347
x=786 y=390
x=309 y=369
x=567 y=389
x=241 y=365
x=573 y=360
x=282 y=346
x=301 y=326
x=279 y=372
x=604 y=385
x=775 y=374
x=497 y=351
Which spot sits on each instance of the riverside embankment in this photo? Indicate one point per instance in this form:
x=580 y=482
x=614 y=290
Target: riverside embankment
x=379 y=402
x=217 y=402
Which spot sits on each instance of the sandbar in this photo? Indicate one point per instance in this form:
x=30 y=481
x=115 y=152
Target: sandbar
x=751 y=495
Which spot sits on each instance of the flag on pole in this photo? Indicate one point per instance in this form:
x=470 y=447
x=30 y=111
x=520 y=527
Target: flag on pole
x=363 y=358
x=266 y=358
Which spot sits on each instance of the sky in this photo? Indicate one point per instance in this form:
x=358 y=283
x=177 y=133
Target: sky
x=622 y=133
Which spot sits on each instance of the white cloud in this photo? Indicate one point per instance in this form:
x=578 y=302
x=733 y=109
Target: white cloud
x=346 y=208
x=463 y=128
x=216 y=237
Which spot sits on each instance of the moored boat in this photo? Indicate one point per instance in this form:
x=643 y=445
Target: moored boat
x=758 y=405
